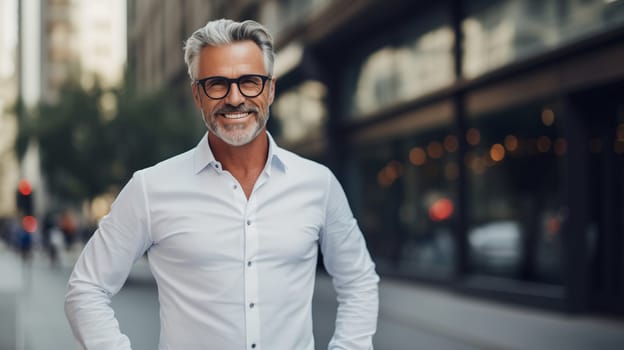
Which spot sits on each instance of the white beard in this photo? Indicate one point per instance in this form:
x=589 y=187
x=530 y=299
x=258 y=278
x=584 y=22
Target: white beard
x=235 y=134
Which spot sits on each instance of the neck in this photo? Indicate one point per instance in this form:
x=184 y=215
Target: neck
x=245 y=158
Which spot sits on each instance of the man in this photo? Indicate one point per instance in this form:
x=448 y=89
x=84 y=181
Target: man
x=232 y=227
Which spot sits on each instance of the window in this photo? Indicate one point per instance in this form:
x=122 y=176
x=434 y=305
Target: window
x=404 y=192
x=500 y=32
x=401 y=65
x=300 y=113
x=514 y=171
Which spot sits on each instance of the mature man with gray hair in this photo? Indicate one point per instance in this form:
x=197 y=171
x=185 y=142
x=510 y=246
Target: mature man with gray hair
x=232 y=227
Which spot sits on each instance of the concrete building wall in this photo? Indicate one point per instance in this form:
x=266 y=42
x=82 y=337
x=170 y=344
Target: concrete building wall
x=8 y=97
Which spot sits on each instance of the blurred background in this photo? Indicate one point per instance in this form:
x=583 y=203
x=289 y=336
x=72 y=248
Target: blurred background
x=480 y=143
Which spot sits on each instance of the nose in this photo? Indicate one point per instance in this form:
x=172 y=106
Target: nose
x=234 y=96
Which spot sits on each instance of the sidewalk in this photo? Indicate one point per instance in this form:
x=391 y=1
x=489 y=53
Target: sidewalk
x=411 y=316
x=11 y=282
x=31 y=300
x=33 y=296
x=417 y=317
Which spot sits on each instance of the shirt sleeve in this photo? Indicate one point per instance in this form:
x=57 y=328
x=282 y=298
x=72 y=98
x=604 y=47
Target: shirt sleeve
x=103 y=267
x=347 y=260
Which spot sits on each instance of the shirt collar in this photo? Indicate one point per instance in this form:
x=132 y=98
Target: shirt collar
x=204 y=157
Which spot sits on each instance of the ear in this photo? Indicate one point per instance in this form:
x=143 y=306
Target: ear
x=271 y=91
x=196 y=96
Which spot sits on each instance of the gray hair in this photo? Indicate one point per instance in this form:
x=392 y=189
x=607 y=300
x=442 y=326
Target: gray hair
x=224 y=32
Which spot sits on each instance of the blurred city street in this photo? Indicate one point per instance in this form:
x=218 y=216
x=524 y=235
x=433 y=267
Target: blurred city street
x=479 y=143
x=411 y=317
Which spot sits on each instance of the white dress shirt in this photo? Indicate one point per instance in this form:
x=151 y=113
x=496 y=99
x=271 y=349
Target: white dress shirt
x=232 y=273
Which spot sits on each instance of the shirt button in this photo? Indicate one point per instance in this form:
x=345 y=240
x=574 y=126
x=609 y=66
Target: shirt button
x=249 y=263
x=251 y=305
x=253 y=346
x=248 y=222
x=235 y=187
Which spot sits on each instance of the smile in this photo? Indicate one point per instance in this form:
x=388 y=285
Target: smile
x=235 y=115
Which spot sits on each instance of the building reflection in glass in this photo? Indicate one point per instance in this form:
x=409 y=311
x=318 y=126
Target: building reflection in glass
x=499 y=32
x=405 y=195
x=418 y=60
x=301 y=113
x=515 y=194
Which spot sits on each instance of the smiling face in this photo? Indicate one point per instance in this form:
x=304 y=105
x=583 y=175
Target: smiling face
x=235 y=119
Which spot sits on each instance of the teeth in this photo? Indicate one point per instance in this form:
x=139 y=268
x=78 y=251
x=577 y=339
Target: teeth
x=235 y=115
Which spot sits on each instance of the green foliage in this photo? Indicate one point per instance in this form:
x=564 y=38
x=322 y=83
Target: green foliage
x=85 y=150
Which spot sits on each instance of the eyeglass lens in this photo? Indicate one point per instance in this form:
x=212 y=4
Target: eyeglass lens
x=248 y=85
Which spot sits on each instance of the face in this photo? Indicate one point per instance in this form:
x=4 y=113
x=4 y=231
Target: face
x=235 y=119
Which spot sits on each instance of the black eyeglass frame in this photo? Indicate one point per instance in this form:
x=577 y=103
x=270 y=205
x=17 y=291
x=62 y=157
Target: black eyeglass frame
x=202 y=83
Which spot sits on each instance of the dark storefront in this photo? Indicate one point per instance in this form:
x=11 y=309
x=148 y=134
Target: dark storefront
x=492 y=164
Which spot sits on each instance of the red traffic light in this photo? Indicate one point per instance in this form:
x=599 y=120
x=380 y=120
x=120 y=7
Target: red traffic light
x=441 y=209
x=29 y=223
x=24 y=187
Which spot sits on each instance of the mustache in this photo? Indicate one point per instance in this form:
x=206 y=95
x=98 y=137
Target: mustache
x=235 y=109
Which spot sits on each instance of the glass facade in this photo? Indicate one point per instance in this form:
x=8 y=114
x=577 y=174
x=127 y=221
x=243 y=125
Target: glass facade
x=300 y=113
x=400 y=65
x=283 y=15
x=515 y=169
x=603 y=115
x=498 y=32
x=405 y=196
x=507 y=184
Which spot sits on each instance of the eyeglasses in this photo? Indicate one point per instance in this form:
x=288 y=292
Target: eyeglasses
x=249 y=85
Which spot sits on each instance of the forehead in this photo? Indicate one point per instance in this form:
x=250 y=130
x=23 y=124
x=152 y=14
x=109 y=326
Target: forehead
x=233 y=60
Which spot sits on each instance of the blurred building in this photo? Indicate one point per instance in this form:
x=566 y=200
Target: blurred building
x=156 y=32
x=102 y=41
x=83 y=41
x=61 y=41
x=480 y=142
x=8 y=98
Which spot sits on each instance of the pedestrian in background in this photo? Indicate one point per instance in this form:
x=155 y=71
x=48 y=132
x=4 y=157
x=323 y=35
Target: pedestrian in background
x=47 y=232
x=69 y=227
x=232 y=227
x=25 y=243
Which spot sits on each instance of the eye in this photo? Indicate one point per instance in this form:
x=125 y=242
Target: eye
x=250 y=81
x=216 y=83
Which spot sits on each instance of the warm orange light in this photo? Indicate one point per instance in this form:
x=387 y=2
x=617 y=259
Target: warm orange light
x=435 y=150
x=24 y=187
x=383 y=179
x=548 y=117
x=497 y=152
x=511 y=143
x=473 y=136
x=417 y=156
x=450 y=143
x=395 y=169
x=29 y=223
x=561 y=146
x=543 y=144
x=441 y=209
x=388 y=174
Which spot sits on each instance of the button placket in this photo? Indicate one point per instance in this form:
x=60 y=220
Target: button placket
x=252 y=317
